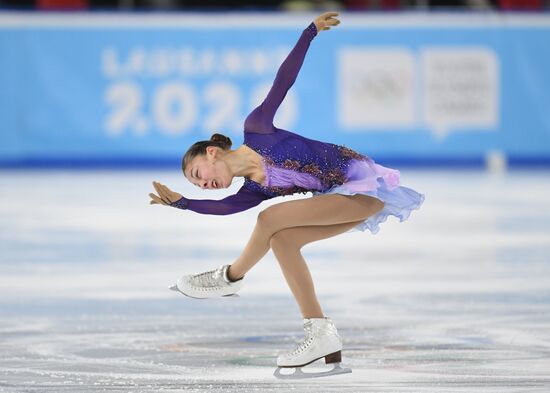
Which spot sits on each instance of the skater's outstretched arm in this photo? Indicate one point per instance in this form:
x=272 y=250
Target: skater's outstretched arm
x=244 y=199
x=260 y=120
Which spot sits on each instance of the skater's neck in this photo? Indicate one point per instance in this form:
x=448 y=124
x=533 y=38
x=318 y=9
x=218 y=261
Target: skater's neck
x=244 y=162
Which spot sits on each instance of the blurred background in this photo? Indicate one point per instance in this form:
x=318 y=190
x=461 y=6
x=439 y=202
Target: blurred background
x=126 y=86
x=290 y=5
x=99 y=98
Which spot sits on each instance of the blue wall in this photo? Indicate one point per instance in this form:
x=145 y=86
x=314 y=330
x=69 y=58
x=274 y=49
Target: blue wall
x=414 y=89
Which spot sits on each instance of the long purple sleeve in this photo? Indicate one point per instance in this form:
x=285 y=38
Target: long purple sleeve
x=260 y=120
x=244 y=199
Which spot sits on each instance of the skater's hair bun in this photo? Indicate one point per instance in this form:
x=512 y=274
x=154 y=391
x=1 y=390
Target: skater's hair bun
x=199 y=148
x=223 y=141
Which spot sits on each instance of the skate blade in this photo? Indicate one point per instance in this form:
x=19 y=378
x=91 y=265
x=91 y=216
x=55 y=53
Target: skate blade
x=176 y=289
x=299 y=374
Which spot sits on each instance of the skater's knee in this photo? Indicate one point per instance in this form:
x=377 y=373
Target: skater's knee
x=266 y=219
x=284 y=239
x=263 y=217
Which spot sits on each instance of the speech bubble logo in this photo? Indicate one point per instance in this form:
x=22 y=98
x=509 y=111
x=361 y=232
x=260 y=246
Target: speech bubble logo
x=461 y=89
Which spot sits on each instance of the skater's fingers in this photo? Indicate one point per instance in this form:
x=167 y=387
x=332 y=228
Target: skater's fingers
x=166 y=192
x=157 y=188
x=329 y=14
x=159 y=198
x=331 y=22
x=161 y=192
x=156 y=199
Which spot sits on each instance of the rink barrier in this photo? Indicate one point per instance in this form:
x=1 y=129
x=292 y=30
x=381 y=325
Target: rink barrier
x=137 y=89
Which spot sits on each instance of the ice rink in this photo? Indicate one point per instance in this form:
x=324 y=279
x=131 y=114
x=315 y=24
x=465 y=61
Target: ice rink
x=455 y=299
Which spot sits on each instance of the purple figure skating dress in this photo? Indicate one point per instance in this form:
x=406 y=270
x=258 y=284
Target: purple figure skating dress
x=296 y=164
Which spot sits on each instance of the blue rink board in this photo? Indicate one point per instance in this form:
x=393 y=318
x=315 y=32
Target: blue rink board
x=137 y=94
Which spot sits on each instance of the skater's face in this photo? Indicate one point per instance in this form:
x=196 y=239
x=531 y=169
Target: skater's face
x=209 y=171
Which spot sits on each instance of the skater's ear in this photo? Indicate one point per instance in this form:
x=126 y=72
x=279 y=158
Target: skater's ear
x=211 y=151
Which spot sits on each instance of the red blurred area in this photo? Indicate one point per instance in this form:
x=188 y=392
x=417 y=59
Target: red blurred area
x=62 y=4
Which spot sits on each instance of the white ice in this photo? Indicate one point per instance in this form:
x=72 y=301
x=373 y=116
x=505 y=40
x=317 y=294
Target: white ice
x=455 y=299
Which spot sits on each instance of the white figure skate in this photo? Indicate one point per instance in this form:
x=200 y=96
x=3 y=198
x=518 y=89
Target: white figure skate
x=322 y=340
x=213 y=283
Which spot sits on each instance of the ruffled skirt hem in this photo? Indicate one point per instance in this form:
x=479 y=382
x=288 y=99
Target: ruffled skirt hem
x=368 y=178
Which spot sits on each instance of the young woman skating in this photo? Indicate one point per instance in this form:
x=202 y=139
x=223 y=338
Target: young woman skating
x=350 y=193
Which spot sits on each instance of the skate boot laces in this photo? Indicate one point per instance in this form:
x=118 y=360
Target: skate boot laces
x=307 y=342
x=207 y=279
x=324 y=327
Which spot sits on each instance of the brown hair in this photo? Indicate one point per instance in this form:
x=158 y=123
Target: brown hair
x=199 y=148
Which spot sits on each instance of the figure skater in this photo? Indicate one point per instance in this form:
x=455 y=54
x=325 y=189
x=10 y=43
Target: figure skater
x=350 y=193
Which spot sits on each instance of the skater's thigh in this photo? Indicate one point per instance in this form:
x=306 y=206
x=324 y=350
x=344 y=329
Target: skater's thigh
x=297 y=237
x=324 y=209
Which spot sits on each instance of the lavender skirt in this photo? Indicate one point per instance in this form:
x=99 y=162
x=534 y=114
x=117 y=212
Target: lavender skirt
x=369 y=178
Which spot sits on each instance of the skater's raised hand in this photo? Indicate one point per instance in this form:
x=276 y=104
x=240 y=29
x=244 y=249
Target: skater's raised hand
x=325 y=21
x=165 y=195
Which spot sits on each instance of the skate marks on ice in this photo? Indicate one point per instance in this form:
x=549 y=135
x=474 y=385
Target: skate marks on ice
x=127 y=347
x=454 y=300
x=149 y=345
x=141 y=346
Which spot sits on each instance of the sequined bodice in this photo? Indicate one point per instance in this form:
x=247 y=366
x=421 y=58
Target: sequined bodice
x=295 y=164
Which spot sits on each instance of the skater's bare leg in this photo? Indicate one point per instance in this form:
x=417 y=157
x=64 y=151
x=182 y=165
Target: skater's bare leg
x=318 y=210
x=286 y=245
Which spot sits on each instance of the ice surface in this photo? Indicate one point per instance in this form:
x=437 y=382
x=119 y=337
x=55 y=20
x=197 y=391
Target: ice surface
x=455 y=299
